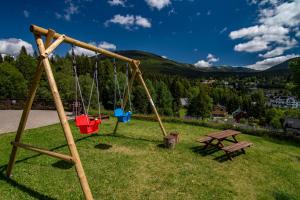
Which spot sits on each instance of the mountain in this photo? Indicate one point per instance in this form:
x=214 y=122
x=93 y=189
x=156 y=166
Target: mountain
x=282 y=67
x=152 y=63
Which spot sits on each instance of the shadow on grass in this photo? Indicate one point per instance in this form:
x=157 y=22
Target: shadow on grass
x=103 y=146
x=129 y=138
x=163 y=146
x=61 y=164
x=283 y=196
x=23 y=188
x=53 y=149
x=211 y=150
x=204 y=151
x=28 y=190
x=224 y=157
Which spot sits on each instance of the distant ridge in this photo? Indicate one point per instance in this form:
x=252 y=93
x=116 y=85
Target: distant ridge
x=152 y=63
x=282 y=67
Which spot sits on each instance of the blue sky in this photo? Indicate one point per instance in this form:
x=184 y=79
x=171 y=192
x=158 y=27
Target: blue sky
x=250 y=33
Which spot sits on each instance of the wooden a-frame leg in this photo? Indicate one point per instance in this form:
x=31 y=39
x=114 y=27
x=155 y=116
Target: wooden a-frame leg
x=140 y=77
x=24 y=117
x=27 y=107
x=64 y=122
x=126 y=97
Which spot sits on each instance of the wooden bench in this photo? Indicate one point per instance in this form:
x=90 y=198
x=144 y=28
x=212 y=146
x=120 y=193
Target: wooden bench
x=236 y=147
x=205 y=140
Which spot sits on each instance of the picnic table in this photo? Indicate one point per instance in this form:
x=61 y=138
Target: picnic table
x=220 y=137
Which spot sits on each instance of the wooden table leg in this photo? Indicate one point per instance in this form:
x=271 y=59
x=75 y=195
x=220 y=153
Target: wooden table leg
x=234 y=139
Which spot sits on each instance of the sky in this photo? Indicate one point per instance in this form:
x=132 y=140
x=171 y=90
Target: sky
x=246 y=33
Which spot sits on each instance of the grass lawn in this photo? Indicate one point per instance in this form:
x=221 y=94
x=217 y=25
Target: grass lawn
x=132 y=165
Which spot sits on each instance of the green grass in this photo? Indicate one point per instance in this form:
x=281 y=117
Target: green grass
x=136 y=167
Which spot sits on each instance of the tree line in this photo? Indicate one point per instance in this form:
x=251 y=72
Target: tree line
x=166 y=91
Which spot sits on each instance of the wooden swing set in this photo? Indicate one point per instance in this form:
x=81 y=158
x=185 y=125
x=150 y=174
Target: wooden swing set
x=45 y=48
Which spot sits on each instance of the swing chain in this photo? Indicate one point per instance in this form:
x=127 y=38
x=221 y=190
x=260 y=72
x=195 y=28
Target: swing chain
x=77 y=84
x=117 y=87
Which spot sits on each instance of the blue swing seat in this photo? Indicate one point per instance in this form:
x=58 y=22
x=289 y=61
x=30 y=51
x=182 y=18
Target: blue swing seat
x=121 y=115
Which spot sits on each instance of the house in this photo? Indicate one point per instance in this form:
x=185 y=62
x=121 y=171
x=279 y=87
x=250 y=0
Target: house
x=238 y=114
x=219 y=111
x=284 y=102
x=208 y=82
x=184 y=102
x=292 y=125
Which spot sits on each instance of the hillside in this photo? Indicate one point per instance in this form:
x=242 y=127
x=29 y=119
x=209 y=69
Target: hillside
x=152 y=63
x=282 y=67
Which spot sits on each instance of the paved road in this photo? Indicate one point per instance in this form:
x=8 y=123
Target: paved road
x=9 y=119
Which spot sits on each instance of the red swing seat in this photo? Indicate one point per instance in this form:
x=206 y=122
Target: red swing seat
x=87 y=125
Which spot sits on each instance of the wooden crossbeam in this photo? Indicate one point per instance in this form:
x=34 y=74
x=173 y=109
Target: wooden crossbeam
x=41 y=31
x=44 y=151
x=55 y=44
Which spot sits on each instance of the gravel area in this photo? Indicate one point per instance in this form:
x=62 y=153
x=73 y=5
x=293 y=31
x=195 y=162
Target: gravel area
x=9 y=119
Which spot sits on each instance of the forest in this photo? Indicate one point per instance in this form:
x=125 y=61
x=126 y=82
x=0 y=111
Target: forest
x=166 y=90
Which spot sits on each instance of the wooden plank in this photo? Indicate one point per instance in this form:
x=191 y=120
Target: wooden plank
x=237 y=146
x=223 y=134
x=44 y=151
x=41 y=31
x=204 y=139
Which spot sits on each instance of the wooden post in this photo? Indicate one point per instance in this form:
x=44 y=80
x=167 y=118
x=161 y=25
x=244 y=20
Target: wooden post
x=64 y=122
x=27 y=107
x=140 y=77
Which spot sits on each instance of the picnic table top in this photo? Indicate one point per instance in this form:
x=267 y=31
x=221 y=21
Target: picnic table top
x=223 y=134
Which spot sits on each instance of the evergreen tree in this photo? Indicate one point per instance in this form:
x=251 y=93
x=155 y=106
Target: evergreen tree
x=12 y=82
x=200 y=105
x=26 y=64
x=1 y=58
x=177 y=90
x=164 y=99
x=295 y=68
x=140 y=100
x=9 y=59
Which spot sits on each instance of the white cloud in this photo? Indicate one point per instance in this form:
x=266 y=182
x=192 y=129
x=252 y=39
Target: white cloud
x=117 y=2
x=202 y=63
x=68 y=12
x=103 y=45
x=210 y=59
x=261 y=30
x=143 y=22
x=254 y=45
x=158 y=4
x=270 y=62
x=129 y=21
x=107 y=45
x=26 y=13
x=276 y=30
x=12 y=46
x=279 y=50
